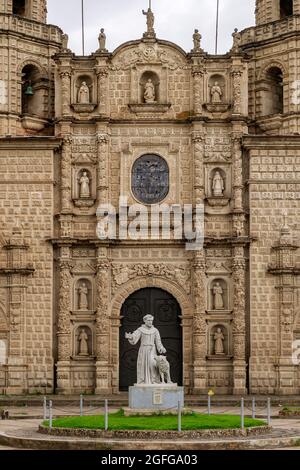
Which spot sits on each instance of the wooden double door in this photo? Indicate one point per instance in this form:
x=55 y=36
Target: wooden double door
x=166 y=311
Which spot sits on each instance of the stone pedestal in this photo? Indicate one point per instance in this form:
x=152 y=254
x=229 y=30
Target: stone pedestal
x=155 y=397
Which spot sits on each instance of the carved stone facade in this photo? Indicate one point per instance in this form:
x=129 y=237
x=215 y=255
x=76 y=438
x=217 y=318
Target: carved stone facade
x=149 y=123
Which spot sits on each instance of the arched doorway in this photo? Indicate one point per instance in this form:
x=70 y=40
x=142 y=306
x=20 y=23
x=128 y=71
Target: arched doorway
x=166 y=311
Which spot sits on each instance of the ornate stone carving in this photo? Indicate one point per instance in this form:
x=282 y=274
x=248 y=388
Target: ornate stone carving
x=65 y=91
x=237 y=38
x=102 y=280
x=216 y=93
x=123 y=273
x=219 y=342
x=150 y=23
x=84 y=94
x=63 y=324
x=237 y=92
x=197 y=41
x=66 y=175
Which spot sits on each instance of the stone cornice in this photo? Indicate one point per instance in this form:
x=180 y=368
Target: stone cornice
x=31 y=143
x=250 y=142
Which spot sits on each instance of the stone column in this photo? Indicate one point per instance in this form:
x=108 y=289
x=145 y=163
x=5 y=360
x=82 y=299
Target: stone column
x=65 y=77
x=66 y=175
x=199 y=187
x=198 y=90
x=237 y=174
x=199 y=325
x=236 y=92
x=63 y=322
x=103 y=371
x=103 y=90
x=102 y=178
x=239 y=321
x=17 y=271
x=284 y=269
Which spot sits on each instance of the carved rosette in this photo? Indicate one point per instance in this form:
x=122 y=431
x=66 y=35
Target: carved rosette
x=199 y=141
x=198 y=87
x=236 y=79
x=239 y=325
x=66 y=196
x=102 y=183
x=63 y=324
x=199 y=323
x=65 y=77
x=102 y=318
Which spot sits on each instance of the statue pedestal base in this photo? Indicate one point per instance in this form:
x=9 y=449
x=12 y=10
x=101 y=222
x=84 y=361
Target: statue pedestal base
x=155 y=397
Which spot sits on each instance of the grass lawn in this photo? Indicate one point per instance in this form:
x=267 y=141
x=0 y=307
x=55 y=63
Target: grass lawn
x=117 y=421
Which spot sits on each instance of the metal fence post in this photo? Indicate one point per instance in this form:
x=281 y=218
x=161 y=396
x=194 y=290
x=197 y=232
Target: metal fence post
x=269 y=411
x=50 y=414
x=45 y=408
x=106 y=416
x=209 y=405
x=179 y=416
x=253 y=408
x=242 y=414
x=81 y=405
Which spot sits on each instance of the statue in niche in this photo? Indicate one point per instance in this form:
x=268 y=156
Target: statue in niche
x=102 y=40
x=218 y=185
x=197 y=41
x=84 y=94
x=148 y=371
x=218 y=297
x=84 y=182
x=150 y=21
x=219 y=342
x=149 y=94
x=83 y=302
x=83 y=343
x=216 y=93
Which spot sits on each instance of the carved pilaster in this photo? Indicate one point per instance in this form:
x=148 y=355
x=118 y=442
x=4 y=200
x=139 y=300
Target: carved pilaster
x=63 y=323
x=237 y=173
x=199 y=190
x=284 y=269
x=102 y=75
x=65 y=77
x=103 y=375
x=198 y=90
x=236 y=92
x=66 y=167
x=239 y=321
x=102 y=179
x=199 y=325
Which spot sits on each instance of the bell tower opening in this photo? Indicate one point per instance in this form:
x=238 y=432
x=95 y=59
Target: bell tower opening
x=273 y=98
x=286 y=8
x=19 y=7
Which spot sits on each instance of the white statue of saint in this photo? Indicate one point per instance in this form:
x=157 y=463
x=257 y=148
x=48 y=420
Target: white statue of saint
x=216 y=93
x=218 y=297
x=151 y=345
x=219 y=342
x=83 y=302
x=218 y=185
x=149 y=94
x=84 y=182
x=83 y=343
x=84 y=94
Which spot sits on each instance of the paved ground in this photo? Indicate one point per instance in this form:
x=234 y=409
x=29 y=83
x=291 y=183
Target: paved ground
x=25 y=420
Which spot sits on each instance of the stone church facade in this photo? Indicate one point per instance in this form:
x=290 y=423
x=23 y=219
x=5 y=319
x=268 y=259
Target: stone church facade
x=77 y=132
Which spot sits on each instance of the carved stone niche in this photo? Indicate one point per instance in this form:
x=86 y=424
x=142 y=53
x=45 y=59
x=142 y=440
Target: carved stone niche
x=218 y=186
x=218 y=296
x=83 y=296
x=219 y=341
x=84 y=99
x=84 y=187
x=149 y=90
x=83 y=342
x=217 y=99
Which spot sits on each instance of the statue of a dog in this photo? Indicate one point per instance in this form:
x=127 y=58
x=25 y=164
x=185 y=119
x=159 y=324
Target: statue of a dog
x=163 y=369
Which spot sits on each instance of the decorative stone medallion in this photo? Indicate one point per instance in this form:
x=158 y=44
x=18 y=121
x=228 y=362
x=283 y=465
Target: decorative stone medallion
x=150 y=179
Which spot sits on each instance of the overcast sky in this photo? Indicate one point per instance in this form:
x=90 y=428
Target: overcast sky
x=175 y=20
